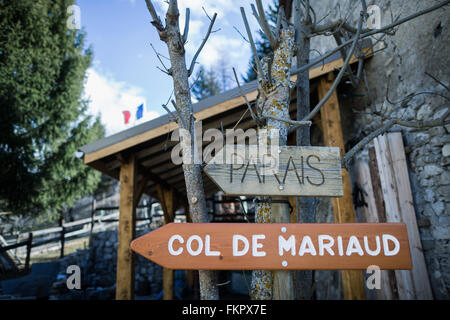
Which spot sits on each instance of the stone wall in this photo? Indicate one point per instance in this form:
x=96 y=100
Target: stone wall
x=418 y=46
x=103 y=260
x=98 y=267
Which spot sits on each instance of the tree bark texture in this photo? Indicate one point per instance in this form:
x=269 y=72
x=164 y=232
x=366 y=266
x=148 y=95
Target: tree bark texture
x=273 y=100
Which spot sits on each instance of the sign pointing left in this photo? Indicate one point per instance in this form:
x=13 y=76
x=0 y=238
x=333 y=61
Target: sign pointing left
x=273 y=246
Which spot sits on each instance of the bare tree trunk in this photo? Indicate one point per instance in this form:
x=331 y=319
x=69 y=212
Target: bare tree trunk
x=306 y=206
x=262 y=280
x=274 y=100
x=171 y=35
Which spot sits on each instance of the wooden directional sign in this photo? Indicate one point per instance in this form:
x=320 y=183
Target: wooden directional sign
x=248 y=246
x=301 y=171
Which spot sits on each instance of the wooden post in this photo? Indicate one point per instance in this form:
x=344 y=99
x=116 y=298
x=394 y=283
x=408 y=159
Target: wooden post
x=190 y=274
x=381 y=211
x=188 y=214
x=400 y=208
x=283 y=280
x=352 y=280
x=63 y=238
x=126 y=232
x=92 y=220
x=29 y=246
x=166 y=198
x=370 y=212
x=419 y=272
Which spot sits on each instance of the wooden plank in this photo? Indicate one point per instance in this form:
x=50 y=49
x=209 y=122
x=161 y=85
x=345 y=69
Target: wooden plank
x=376 y=185
x=378 y=195
x=29 y=246
x=314 y=72
x=283 y=280
x=140 y=190
x=168 y=278
x=352 y=281
x=126 y=231
x=370 y=213
x=405 y=286
x=166 y=199
x=419 y=272
x=275 y=246
x=187 y=212
x=302 y=171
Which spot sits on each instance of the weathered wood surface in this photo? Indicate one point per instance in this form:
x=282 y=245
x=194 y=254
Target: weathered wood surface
x=126 y=230
x=343 y=210
x=397 y=195
x=302 y=171
x=167 y=201
x=274 y=246
x=370 y=213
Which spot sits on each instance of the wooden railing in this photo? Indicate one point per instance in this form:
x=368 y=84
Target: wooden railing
x=72 y=230
x=69 y=230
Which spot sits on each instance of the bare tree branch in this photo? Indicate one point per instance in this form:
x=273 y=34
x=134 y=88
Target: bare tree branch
x=371 y=33
x=179 y=113
x=156 y=20
x=338 y=39
x=211 y=24
x=166 y=70
x=237 y=30
x=254 y=117
x=293 y=123
x=307 y=10
x=206 y=13
x=437 y=80
x=340 y=75
x=255 y=14
x=186 y=25
x=252 y=44
x=385 y=127
x=265 y=25
x=240 y=119
x=278 y=26
x=170 y=113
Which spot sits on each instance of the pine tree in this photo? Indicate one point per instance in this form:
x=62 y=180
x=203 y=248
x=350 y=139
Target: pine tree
x=206 y=84
x=42 y=115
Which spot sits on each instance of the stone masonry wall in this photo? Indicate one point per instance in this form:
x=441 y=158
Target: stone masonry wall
x=418 y=46
x=103 y=260
x=98 y=265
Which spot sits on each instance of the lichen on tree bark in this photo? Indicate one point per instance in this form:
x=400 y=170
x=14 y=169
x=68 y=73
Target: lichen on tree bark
x=273 y=99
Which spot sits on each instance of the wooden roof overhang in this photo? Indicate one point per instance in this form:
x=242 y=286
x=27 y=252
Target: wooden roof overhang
x=150 y=142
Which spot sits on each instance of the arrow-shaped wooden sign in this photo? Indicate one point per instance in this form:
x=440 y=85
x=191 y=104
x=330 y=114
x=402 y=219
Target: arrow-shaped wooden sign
x=299 y=171
x=248 y=246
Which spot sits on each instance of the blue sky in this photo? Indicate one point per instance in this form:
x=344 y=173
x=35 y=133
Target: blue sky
x=124 y=75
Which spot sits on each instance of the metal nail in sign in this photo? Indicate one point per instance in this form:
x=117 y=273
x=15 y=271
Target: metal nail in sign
x=285 y=171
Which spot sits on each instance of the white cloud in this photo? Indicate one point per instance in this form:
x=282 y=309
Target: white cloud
x=221 y=47
x=109 y=98
x=221 y=7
